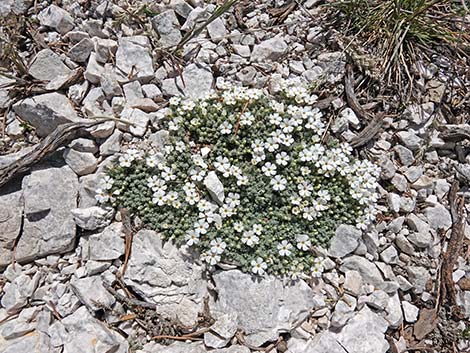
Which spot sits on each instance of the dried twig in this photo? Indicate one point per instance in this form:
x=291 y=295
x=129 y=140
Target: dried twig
x=129 y=301
x=454 y=247
x=369 y=131
x=129 y=235
x=351 y=96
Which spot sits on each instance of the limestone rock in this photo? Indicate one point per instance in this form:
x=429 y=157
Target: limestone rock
x=92 y=293
x=264 y=307
x=11 y=211
x=92 y=218
x=56 y=18
x=345 y=241
x=82 y=163
x=270 y=49
x=167 y=27
x=107 y=245
x=198 y=81
x=133 y=58
x=215 y=187
x=46 y=111
x=49 y=196
x=163 y=274
x=47 y=65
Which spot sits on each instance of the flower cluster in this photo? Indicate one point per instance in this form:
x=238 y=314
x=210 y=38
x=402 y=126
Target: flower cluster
x=247 y=179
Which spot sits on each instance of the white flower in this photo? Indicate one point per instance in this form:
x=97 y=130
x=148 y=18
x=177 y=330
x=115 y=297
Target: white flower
x=125 y=160
x=167 y=174
x=156 y=183
x=242 y=180
x=106 y=183
x=305 y=189
x=284 y=248
x=303 y=242
x=257 y=147
x=282 y=158
x=192 y=198
x=232 y=199
x=257 y=229
x=269 y=169
x=249 y=238
x=101 y=196
x=152 y=161
x=192 y=238
x=296 y=200
x=286 y=139
x=238 y=226
x=317 y=271
x=222 y=164
x=197 y=174
x=204 y=205
x=201 y=227
x=212 y=258
x=159 y=197
x=271 y=145
x=247 y=118
x=278 y=183
x=304 y=170
x=174 y=100
x=217 y=246
x=225 y=128
x=258 y=266
x=226 y=211
x=309 y=213
x=275 y=119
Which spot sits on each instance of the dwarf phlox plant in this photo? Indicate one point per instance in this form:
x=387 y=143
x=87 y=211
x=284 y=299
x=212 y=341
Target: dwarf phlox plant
x=247 y=179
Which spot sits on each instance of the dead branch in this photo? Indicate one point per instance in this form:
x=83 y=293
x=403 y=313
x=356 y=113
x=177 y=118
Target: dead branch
x=351 y=96
x=60 y=136
x=455 y=244
x=369 y=131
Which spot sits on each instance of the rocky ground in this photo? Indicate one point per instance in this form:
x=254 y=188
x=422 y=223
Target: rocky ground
x=66 y=284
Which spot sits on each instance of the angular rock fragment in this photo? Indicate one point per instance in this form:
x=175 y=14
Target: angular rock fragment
x=46 y=111
x=133 y=58
x=57 y=18
x=49 y=196
x=47 y=65
x=167 y=27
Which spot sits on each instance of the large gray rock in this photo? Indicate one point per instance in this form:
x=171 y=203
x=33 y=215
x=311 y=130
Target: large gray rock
x=82 y=163
x=167 y=27
x=263 y=307
x=364 y=333
x=438 y=217
x=49 y=196
x=17 y=293
x=46 y=111
x=92 y=218
x=107 y=245
x=163 y=274
x=185 y=347
x=92 y=293
x=56 y=18
x=270 y=49
x=345 y=241
x=133 y=58
x=11 y=211
x=82 y=333
x=369 y=272
x=198 y=81
x=47 y=66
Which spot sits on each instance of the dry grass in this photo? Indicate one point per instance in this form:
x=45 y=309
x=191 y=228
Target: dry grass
x=400 y=32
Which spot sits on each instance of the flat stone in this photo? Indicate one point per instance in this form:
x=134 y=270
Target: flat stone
x=167 y=27
x=352 y=282
x=264 y=307
x=46 y=111
x=410 y=139
x=56 y=18
x=133 y=58
x=82 y=163
x=47 y=65
x=49 y=196
x=104 y=49
x=84 y=145
x=369 y=272
x=270 y=49
x=345 y=241
x=217 y=30
x=92 y=218
x=405 y=155
x=81 y=51
x=85 y=334
x=418 y=276
x=139 y=119
x=107 y=245
x=389 y=255
x=222 y=331
x=11 y=211
x=410 y=311
x=94 y=70
x=364 y=333
x=438 y=217
x=92 y=293
x=112 y=144
x=215 y=187
x=394 y=314
x=163 y=274
x=198 y=81
x=16 y=294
